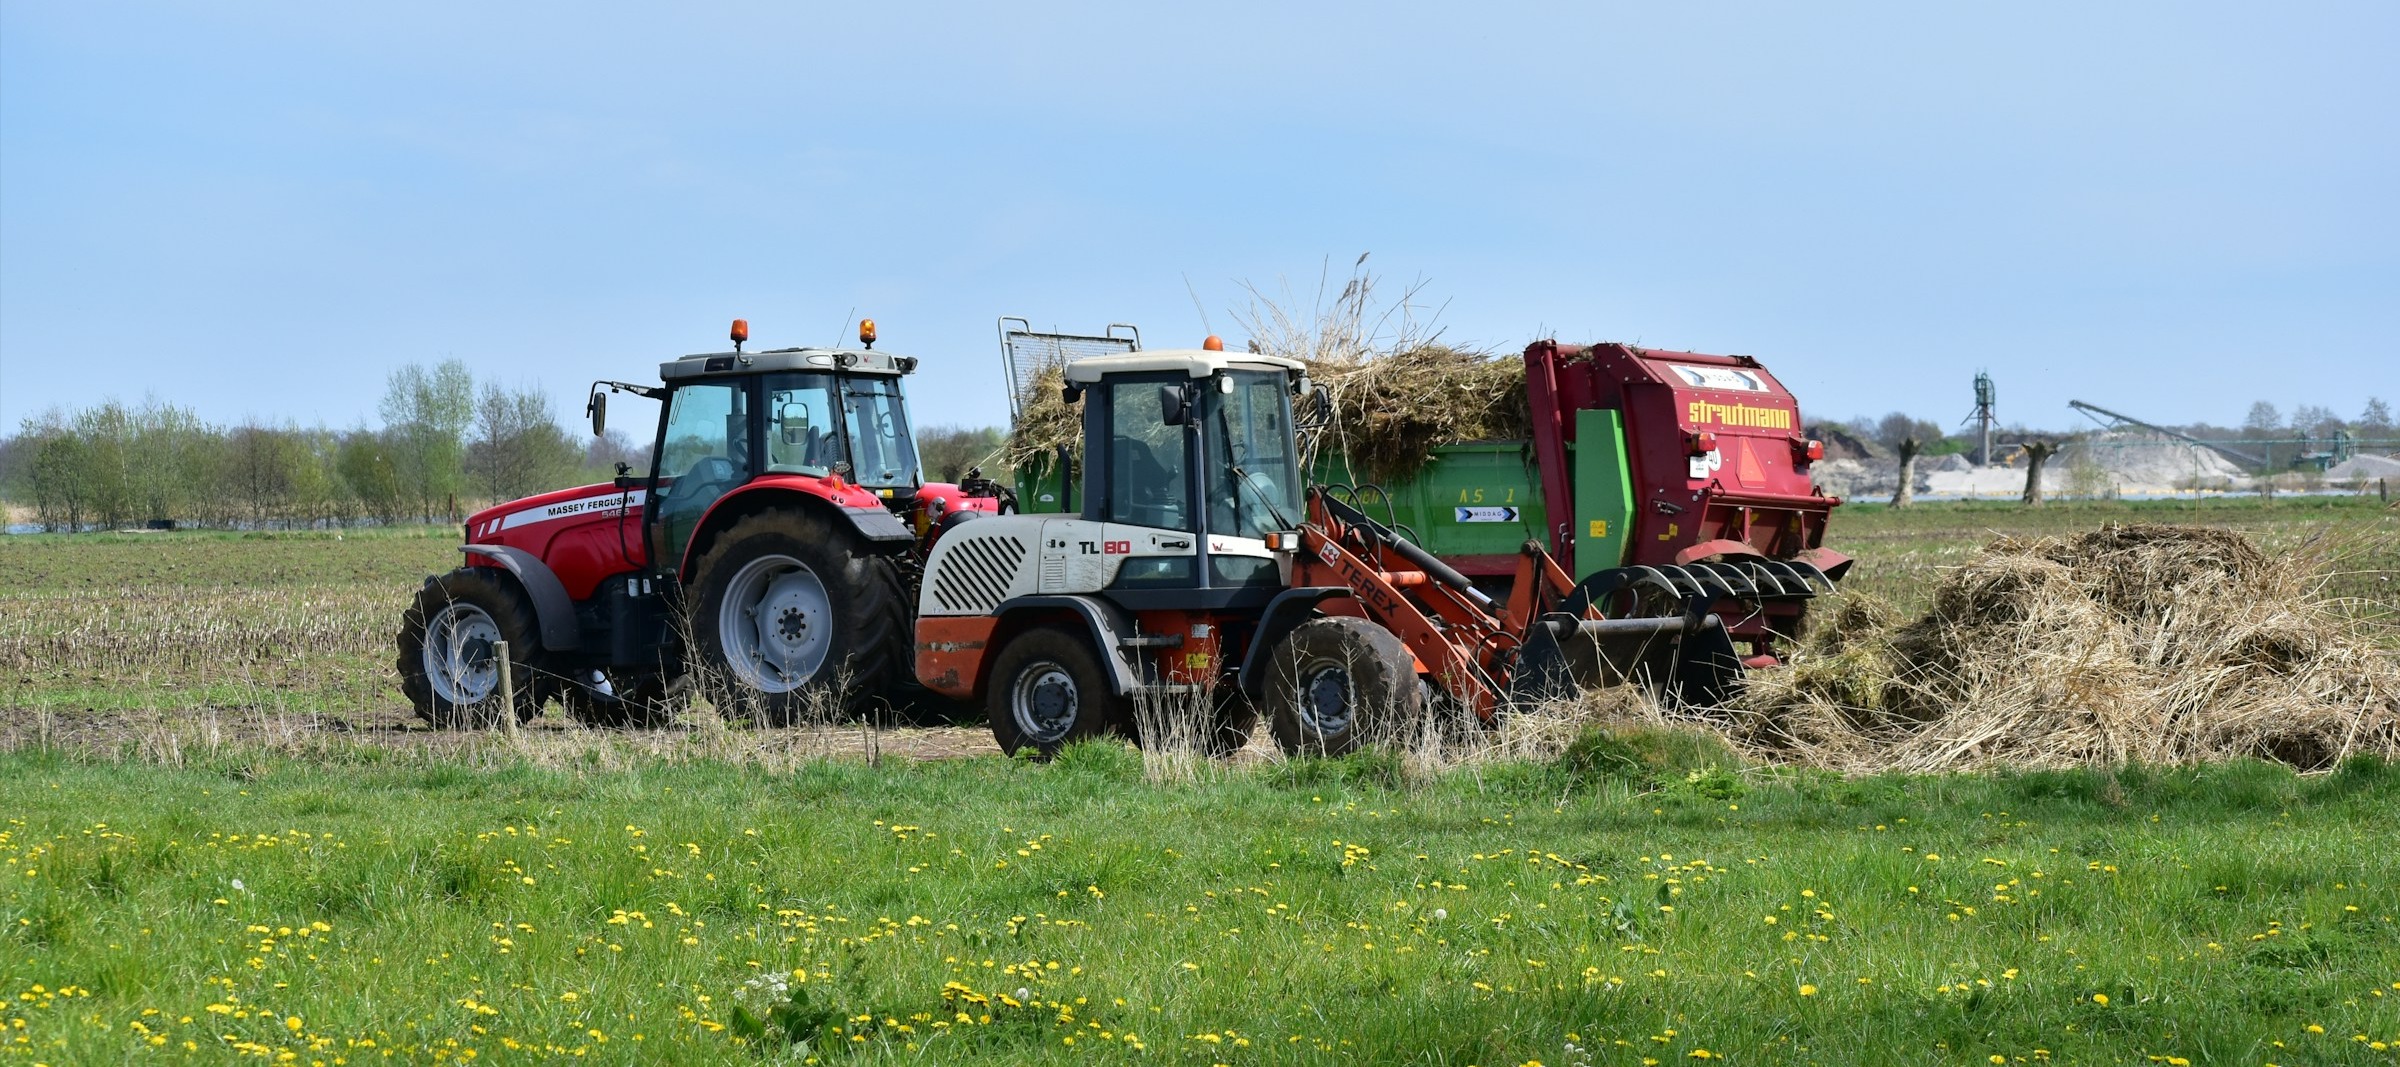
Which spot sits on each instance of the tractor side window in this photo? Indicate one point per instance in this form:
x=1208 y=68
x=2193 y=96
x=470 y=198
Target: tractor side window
x=882 y=448
x=703 y=453
x=804 y=429
x=1146 y=463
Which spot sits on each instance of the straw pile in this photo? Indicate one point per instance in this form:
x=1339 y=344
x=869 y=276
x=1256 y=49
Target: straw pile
x=2140 y=643
x=1390 y=410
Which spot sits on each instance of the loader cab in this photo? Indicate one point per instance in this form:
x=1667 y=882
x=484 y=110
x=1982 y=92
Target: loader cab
x=1194 y=442
x=731 y=418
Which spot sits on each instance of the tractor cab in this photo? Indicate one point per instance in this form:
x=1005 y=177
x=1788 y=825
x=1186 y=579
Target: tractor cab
x=832 y=421
x=1190 y=461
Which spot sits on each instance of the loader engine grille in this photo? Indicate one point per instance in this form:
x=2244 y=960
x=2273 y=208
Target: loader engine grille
x=976 y=574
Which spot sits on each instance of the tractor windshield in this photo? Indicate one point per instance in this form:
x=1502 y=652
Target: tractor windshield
x=817 y=420
x=1256 y=486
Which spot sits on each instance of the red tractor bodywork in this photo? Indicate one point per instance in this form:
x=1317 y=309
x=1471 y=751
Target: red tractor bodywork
x=591 y=533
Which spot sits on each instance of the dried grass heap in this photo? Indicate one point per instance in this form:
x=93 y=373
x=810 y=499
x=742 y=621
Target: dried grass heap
x=1044 y=420
x=2146 y=643
x=1390 y=410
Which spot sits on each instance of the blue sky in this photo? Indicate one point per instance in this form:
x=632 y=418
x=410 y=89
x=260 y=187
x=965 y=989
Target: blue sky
x=258 y=210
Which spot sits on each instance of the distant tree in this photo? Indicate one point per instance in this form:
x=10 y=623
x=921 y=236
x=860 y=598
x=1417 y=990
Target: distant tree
x=370 y=477
x=2263 y=421
x=1891 y=429
x=106 y=476
x=16 y=466
x=425 y=419
x=2037 y=452
x=57 y=472
x=947 y=451
x=602 y=454
x=2376 y=421
x=267 y=470
x=171 y=460
x=1907 y=493
x=2311 y=420
x=519 y=447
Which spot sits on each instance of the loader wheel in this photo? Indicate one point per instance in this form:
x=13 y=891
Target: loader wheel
x=793 y=616
x=447 y=639
x=1236 y=720
x=1048 y=689
x=1338 y=683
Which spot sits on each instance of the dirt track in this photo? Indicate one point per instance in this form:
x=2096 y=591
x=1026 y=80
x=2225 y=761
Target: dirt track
x=162 y=731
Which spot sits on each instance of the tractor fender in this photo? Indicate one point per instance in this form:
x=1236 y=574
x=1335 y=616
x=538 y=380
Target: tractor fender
x=874 y=523
x=1106 y=622
x=1282 y=615
x=551 y=604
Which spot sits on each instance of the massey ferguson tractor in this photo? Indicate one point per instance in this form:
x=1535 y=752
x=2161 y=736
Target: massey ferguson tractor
x=770 y=552
x=1192 y=567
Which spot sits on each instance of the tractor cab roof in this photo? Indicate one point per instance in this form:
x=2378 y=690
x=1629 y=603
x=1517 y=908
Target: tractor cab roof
x=1195 y=362
x=845 y=360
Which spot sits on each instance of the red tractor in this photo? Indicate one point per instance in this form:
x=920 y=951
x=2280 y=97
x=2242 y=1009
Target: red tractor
x=771 y=552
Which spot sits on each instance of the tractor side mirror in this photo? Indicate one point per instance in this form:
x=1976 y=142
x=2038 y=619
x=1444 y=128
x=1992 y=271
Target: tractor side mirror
x=1172 y=405
x=792 y=422
x=597 y=408
x=1320 y=413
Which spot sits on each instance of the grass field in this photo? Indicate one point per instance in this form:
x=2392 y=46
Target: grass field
x=222 y=844
x=984 y=911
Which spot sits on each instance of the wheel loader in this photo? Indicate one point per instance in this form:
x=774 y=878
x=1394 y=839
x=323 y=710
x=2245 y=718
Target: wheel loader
x=1190 y=561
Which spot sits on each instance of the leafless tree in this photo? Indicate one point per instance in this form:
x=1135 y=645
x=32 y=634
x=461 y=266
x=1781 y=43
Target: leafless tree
x=1909 y=446
x=2037 y=452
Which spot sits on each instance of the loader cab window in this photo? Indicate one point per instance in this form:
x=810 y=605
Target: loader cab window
x=1254 y=479
x=804 y=425
x=703 y=453
x=883 y=452
x=1147 y=468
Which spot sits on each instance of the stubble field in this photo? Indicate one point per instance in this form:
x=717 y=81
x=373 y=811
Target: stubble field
x=223 y=841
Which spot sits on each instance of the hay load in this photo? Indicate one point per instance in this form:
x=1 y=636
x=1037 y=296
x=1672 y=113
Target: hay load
x=1390 y=411
x=2146 y=643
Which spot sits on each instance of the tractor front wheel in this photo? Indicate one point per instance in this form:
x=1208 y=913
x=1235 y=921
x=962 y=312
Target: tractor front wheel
x=794 y=617
x=1048 y=689
x=1338 y=683
x=449 y=641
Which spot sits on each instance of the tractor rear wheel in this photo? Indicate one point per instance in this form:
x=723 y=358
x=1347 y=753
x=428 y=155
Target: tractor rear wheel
x=1048 y=689
x=448 y=639
x=793 y=617
x=1338 y=683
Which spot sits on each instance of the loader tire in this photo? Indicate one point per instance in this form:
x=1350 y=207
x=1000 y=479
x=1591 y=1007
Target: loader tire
x=1339 y=683
x=793 y=618
x=1049 y=690
x=446 y=642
